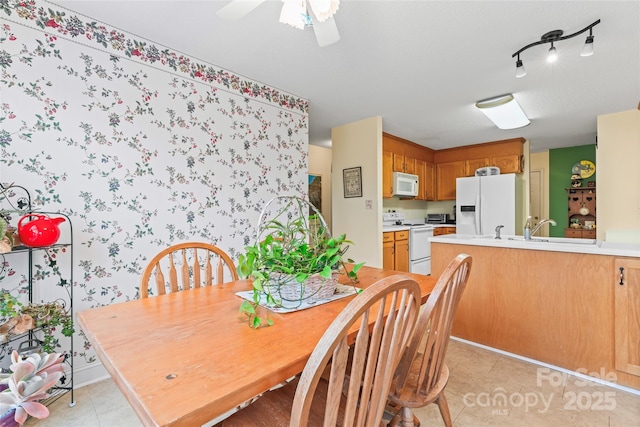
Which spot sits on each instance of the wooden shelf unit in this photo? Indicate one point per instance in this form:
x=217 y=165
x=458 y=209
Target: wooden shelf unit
x=578 y=198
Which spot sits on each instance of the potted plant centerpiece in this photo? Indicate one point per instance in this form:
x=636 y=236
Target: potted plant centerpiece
x=294 y=259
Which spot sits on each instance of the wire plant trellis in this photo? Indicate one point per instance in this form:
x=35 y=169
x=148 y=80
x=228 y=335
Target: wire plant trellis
x=294 y=258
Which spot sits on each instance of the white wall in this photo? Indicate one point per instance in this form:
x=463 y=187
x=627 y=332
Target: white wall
x=320 y=164
x=359 y=144
x=617 y=157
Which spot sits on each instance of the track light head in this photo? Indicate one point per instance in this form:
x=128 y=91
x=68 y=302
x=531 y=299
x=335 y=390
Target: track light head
x=587 y=49
x=552 y=56
x=520 y=71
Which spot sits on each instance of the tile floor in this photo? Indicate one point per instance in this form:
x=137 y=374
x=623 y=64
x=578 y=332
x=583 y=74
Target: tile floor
x=478 y=380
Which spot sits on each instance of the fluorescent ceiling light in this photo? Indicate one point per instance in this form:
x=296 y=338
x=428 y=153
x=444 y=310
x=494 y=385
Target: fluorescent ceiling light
x=504 y=111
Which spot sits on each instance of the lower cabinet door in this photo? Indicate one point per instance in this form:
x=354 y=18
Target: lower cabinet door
x=402 y=255
x=388 y=261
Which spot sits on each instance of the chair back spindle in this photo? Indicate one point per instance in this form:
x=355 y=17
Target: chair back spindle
x=194 y=260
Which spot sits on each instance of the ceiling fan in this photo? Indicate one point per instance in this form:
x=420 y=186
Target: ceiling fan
x=296 y=14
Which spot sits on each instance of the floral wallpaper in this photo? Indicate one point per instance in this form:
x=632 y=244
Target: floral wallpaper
x=139 y=145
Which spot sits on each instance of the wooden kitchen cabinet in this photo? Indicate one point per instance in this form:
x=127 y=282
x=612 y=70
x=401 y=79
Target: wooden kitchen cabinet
x=627 y=315
x=401 y=250
x=429 y=181
x=508 y=155
x=471 y=165
x=420 y=171
x=426 y=180
x=579 y=233
x=559 y=308
x=405 y=164
x=446 y=174
x=388 y=261
x=401 y=155
x=387 y=174
x=511 y=163
x=395 y=250
x=439 y=231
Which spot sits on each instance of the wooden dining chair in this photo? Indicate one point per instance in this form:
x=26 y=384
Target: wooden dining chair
x=347 y=377
x=422 y=374
x=200 y=264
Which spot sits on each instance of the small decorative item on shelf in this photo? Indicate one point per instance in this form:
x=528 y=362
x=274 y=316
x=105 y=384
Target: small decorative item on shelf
x=6 y=243
x=28 y=382
x=294 y=257
x=575 y=223
x=39 y=232
x=591 y=184
x=576 y=181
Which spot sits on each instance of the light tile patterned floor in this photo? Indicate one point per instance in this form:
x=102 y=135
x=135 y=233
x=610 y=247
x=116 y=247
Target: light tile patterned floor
x=480 y=382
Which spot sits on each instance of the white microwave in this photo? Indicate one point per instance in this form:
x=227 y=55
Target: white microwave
x=405 y=185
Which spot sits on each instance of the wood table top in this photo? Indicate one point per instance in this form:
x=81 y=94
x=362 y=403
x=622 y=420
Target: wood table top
x=185 y=358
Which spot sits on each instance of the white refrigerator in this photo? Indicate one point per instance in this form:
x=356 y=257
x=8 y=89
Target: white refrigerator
x=484 y=202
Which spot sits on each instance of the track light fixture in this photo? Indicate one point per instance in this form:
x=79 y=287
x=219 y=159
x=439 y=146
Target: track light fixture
x=555 y=36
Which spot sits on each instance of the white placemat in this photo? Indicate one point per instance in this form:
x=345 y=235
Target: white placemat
x=291 y=306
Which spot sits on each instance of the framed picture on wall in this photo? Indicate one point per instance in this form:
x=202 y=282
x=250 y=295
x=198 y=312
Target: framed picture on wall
x=352 y=178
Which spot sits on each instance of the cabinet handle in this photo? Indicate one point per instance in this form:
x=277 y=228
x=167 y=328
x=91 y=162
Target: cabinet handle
x=621 y=276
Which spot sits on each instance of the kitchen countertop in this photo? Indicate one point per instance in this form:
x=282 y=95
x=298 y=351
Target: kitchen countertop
x=388 y=228
x=554 y=244
x=394 y=228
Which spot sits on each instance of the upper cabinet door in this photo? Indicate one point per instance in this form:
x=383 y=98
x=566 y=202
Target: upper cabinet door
x=446 y=174
x=420 y=171
x=387 y=174
x=511 y=163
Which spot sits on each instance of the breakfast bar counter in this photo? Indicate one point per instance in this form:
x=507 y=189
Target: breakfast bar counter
x=573 y=305
x=552 y=244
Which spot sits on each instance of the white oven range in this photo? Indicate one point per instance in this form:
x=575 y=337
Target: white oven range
x=419 y=245
x=420 y=248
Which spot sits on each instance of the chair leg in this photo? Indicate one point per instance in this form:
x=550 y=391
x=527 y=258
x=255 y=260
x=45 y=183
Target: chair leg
x=444 y=409
x=407 y=417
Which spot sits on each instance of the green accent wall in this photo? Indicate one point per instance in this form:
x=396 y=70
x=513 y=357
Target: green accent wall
x=560 y=162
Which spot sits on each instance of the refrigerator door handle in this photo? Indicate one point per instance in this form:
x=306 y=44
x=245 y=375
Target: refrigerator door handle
x=477 y=222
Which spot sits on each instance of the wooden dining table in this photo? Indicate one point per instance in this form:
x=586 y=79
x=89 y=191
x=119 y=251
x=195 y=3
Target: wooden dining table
x=185 y=358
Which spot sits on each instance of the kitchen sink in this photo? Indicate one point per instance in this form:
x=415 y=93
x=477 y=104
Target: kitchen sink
x=564 y=240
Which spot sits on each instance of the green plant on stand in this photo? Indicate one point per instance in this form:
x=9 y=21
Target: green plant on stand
x=292 y=247
x=48 y=316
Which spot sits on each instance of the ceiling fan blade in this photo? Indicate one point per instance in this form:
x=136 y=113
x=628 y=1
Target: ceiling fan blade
x=326 y=31
x=237 y=9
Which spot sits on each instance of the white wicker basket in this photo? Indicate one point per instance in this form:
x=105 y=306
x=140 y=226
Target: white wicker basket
x=315 y=288
x=284 y=287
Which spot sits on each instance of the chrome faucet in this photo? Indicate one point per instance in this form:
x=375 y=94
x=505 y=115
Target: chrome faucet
x=528 y=235
x=498 y=231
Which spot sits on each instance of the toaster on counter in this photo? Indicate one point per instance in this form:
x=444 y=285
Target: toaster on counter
x=438 y=219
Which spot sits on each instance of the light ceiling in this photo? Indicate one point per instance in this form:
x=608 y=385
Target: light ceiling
x=420 y=65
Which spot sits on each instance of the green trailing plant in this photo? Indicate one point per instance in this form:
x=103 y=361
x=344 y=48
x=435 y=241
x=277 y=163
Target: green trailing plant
x=9 y=305
x=48 y=316
x=290 y=248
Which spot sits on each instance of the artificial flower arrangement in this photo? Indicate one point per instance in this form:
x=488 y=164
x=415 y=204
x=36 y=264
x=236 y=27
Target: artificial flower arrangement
x=28 y=382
